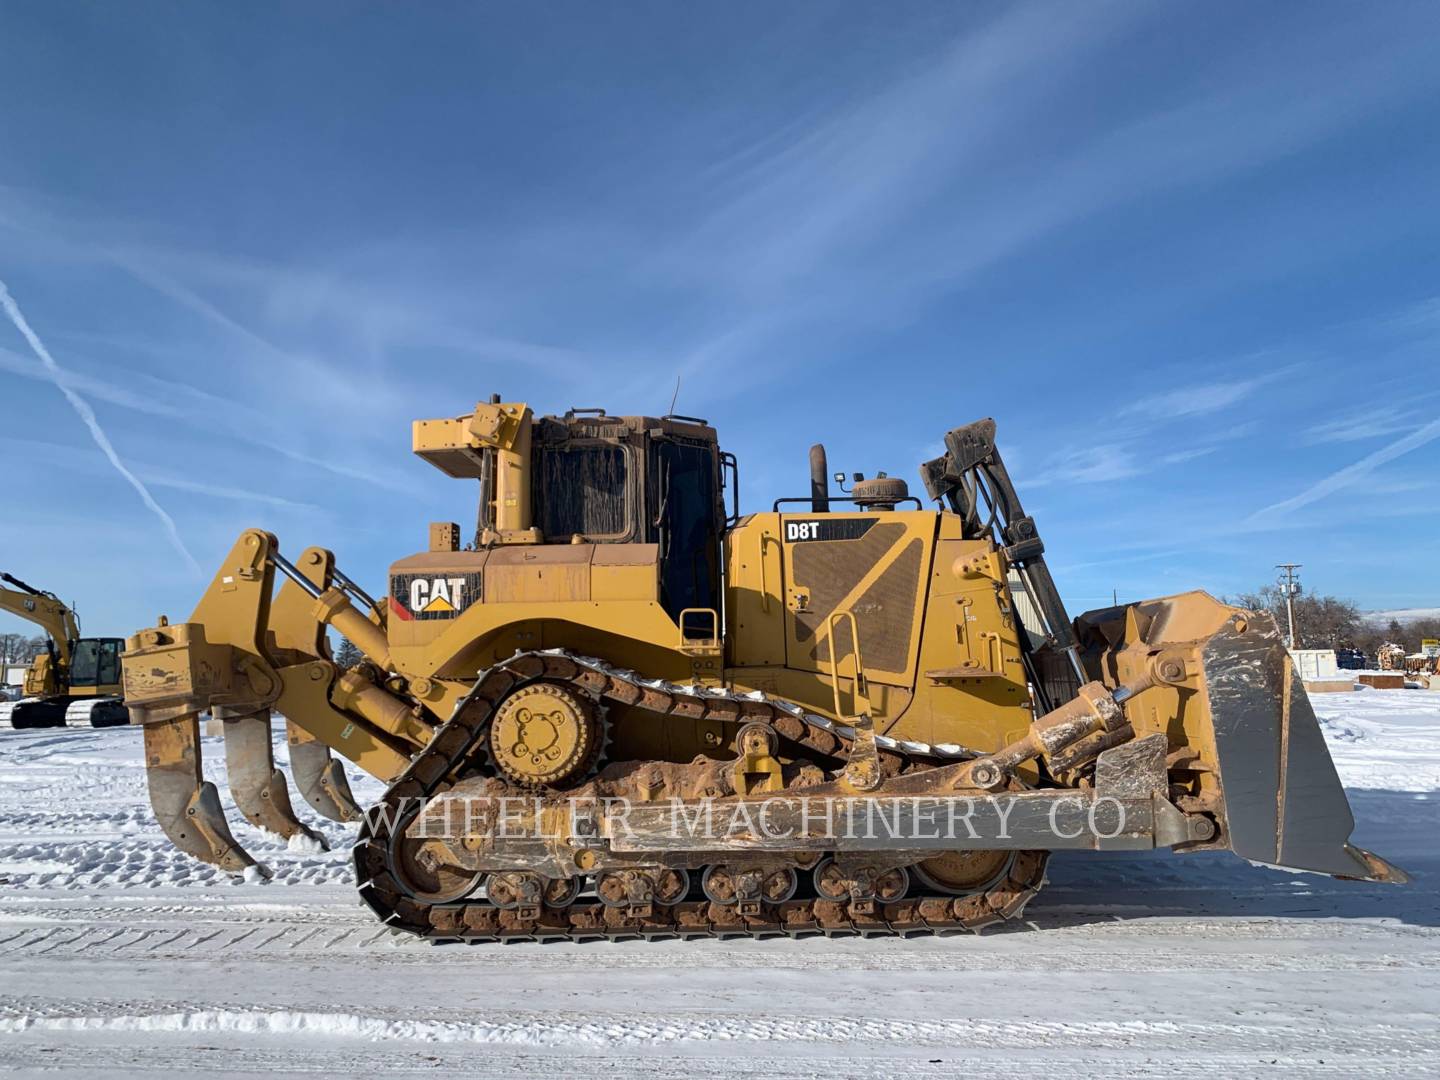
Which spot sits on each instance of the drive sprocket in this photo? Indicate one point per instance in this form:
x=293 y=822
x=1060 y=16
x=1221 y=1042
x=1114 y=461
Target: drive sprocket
x=546 y=735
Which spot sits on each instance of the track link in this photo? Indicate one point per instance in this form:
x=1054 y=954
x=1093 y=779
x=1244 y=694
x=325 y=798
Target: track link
x=458 y=745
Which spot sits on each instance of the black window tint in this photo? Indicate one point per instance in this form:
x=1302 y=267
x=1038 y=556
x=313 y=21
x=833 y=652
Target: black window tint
x=689 y=532
x=85 y=663
x=110 y=661
x=581 y=489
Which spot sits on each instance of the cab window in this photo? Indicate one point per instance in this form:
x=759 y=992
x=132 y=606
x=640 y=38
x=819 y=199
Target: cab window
x=95 y=662
x=583 y=489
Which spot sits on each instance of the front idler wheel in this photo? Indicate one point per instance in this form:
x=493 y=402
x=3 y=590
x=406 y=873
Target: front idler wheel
x=415 y=864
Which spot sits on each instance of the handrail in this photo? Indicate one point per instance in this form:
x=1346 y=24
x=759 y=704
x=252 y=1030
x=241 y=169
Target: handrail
x=764 y=588
x=830 y=622
x=844 y=498
x=699 y=644
x=731 y=462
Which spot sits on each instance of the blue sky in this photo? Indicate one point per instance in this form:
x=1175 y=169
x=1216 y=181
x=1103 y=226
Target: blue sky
x=1187 y=255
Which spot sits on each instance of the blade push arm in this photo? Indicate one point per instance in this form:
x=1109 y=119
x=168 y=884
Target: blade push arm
x=971 y=479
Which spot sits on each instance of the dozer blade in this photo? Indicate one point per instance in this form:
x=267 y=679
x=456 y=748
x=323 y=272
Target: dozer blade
x=320 y=778
x=256 y=785
x=1284 y=802
x=186 y=805
x=1243 y=708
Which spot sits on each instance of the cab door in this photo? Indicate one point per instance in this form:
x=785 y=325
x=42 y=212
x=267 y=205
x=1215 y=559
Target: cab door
x=109 y=668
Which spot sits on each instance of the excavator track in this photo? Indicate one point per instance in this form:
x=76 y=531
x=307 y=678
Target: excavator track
x=457 y=751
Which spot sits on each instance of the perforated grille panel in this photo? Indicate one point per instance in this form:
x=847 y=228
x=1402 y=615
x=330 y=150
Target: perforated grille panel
x=885 y=612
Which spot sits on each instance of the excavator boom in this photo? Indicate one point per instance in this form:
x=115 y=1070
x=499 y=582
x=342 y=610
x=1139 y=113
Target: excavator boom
x=46 y=611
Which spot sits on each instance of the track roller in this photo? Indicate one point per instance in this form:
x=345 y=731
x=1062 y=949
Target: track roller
x=749 y=886
x=637 y=889
x=862 y=886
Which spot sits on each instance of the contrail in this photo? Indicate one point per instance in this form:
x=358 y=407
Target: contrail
x=81 y=406
x=1351 y=473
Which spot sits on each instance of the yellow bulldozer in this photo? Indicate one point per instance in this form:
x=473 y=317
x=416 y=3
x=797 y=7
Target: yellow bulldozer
x=622 y=707
x=72 y=670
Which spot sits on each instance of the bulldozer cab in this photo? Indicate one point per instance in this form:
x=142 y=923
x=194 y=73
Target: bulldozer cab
x=589 y=478
x=635 y=480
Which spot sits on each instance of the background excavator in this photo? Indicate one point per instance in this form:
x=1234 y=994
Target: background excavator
x=616 y=655
x=72 y=670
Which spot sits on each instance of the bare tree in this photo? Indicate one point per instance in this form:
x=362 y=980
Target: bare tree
x=8 y=647
x=19 y=649
x=1321 y=622
x=1327 y=622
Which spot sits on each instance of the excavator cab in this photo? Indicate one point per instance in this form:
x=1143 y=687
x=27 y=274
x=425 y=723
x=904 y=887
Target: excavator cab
x=95 y=665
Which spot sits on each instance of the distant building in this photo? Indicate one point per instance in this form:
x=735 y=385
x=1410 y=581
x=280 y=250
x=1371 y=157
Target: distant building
x=13 y=674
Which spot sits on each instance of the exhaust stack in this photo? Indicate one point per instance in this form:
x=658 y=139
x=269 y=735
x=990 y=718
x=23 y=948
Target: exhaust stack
x=819 y=480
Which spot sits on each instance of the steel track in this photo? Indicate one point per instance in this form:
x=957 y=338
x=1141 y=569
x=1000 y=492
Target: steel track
x=459 y=744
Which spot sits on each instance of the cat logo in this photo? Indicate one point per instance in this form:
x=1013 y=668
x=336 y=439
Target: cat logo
x=437 y=596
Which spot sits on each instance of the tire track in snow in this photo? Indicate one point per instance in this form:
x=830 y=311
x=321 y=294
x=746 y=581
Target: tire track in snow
x=262 y=940
x=632 y=1031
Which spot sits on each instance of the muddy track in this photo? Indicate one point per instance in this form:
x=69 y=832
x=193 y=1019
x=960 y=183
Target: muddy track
x=456 y=747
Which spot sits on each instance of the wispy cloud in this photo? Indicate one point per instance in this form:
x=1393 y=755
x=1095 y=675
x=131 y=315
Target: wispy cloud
x=1198 y=399
x=1366 y=424
x=87 y=414
x=1179 y=457
x=81 y=460
x=1128 y=559
x=1088 y=465
x=222 y=491
x=1422 y=318
x=98 y=389
x=1351 y=474
x=849 y=177
x=892 y=200
x=1140 y=452
x=192 y=407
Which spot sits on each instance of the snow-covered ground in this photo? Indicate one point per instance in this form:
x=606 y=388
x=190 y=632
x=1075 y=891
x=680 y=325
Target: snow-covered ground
x=120 y=956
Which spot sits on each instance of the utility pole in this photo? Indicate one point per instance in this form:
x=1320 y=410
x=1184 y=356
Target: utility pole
x=1289 y=588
